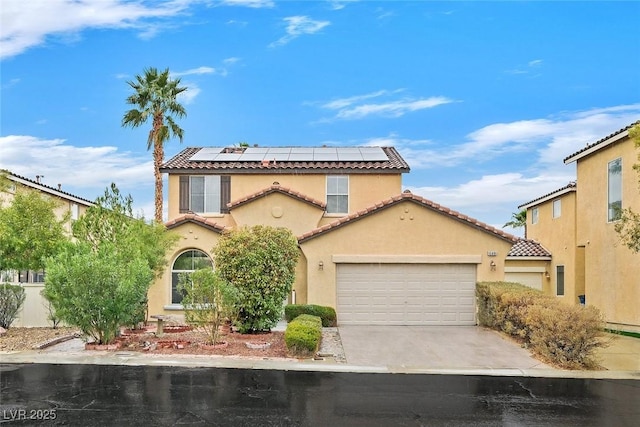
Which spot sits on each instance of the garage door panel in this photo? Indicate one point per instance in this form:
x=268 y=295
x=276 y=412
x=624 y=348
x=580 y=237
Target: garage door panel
x=406 y=294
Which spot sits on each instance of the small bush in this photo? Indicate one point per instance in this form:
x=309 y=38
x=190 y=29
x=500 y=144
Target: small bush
x=562 y=334
x=303 y=335
x=327 y=314
x=11 y=299
x=566 y=335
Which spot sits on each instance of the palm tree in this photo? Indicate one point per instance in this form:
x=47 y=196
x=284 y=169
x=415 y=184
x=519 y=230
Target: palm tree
x=518 y=219
x=155 y=96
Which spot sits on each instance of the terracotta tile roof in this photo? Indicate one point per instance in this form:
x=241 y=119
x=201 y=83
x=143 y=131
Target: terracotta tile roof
x=398 y=199
x=528 y=248
x=600 y=141
x=196 y=219
x=180 y=163
x=571 y=187
x=276 y=188
x=48 y=189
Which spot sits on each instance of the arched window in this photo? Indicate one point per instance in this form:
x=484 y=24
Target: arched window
x=187 y=262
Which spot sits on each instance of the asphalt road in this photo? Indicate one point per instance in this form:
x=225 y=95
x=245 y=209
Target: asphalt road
x=97 y=395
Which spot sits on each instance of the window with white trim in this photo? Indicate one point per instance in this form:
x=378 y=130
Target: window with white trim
x=187 y=262
x=534 y=215
x=614 y=193
x=557 y=208
x=337 y=194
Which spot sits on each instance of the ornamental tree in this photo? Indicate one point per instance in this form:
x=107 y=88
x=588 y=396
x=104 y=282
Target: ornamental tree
x=30 y=231
x=100 y=281
x=208 y=301
x=260 y=261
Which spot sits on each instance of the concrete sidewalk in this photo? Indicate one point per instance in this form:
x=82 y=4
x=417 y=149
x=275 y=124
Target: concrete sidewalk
x=621 y=359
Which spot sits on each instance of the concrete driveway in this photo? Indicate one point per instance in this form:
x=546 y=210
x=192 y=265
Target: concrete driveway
x=433 y=347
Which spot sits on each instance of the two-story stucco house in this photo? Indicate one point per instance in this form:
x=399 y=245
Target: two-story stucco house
x=576 y=224
x=33 y=312
x=375 y=253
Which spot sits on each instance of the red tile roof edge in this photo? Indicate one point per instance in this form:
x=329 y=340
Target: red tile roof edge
x=400 y=198
x=573 y=185
x=276 y=188
x=197 y=219
x=601 y=140
x=528 y=248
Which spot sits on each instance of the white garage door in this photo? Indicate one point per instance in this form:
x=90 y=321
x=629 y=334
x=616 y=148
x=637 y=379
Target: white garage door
x=530 y=279
x=406 y=294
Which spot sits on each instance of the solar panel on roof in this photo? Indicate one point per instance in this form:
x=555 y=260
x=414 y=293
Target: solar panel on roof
x=373 y=154
x=252 y=150
x=252 y=157
x=325 y=154
x=350 y=157
x=228 y=157
x=206 y=154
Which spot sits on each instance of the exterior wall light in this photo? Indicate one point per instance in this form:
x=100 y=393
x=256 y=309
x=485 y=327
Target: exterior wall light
x=547 y=275
x=492 y=264
x=321 y=266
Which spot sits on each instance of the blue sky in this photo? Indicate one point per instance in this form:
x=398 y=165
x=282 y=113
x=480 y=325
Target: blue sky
x=483 y=99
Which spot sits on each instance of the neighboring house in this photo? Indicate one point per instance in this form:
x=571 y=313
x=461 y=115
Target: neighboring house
x=376 y=254
x=576 y=224
x=34 y=312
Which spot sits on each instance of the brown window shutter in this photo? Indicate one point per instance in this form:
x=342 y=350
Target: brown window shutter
x=225 y=193
x=184 y=193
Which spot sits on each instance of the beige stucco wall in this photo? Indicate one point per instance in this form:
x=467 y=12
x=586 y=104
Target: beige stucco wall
x=406 y=229
x=193 y=236
x=279 y=210
x=364 y=189
x=612 y=271
x=558 y=236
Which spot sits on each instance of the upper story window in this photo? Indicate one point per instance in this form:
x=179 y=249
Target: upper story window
x=337 y=194
x=557 y=208
x=534 y=215
x=614 y=197
x=204 y=194
x=75 y=211
x=188 y=262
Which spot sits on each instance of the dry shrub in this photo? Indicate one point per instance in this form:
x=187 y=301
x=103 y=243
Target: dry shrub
x=565 y=335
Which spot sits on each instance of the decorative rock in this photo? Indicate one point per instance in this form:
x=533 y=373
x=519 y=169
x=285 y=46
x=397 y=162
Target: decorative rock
x=2 y=330
x=257 y=345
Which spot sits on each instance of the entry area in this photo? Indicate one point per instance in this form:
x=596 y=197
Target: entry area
x=406 y=294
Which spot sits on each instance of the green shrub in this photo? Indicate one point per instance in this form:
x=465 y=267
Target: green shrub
x=327 y=314
x=96 y=290
x=303 y=335
x=562 y=334
x=260 y=262
x=11 y=299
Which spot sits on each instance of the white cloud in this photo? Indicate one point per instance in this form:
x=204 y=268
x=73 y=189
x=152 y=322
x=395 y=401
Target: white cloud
x=199 y=70
x=297 y=26
x=352 y=108
x=256 y=4
x=533 y=65
x=26 y=24
x=550 y=140
x=83 y=171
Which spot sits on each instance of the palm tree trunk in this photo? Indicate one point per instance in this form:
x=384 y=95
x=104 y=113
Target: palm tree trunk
x=158 y=157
